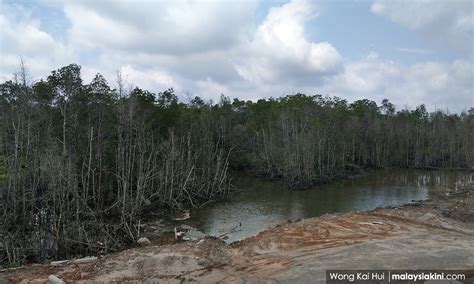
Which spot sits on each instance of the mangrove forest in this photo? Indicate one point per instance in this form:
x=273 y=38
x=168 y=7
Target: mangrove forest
x=83 y=163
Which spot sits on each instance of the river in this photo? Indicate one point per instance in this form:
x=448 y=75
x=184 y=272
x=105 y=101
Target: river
x=259 y=203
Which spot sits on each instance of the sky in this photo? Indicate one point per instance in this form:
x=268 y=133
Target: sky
x=410 y=52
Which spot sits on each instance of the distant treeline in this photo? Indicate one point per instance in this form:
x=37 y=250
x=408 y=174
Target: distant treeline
x=82 y=163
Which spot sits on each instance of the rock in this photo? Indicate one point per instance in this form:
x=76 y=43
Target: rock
x=187 y=233
x=144 y=241
x=84 y=259
x=182 y=216
x=193 y=235
x=60 y=262
x=55 y=279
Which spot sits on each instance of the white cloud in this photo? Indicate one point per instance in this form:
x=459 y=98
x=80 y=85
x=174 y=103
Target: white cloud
x=449 y=24
x=211 y=89
x=148 y=79
x=440 y=85
x=414 y=50
x=242 y=57
x=364 y=77
x=377 y=8
x=209 y=48
x=20 y=35
x=372 y=55
x=176 y=28
x=448 y=85
x=280 y=51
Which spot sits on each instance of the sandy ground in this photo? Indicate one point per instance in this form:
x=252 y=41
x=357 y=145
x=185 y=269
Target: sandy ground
x=435 y=234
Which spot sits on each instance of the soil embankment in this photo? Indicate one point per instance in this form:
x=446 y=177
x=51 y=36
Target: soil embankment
x=434 y=234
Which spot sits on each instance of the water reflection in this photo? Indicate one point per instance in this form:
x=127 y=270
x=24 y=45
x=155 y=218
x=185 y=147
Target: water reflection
x=260 y=204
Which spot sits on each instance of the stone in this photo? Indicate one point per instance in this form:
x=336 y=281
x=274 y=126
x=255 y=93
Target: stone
x=55 y=279
x=60 y=262
x=182 y=216
x=193 y=235
x=84 y=259
x=144 y=241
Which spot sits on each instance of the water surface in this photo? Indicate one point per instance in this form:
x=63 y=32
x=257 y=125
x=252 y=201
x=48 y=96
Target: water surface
x=259 y=204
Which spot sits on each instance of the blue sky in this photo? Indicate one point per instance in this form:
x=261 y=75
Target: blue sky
x=410 y=52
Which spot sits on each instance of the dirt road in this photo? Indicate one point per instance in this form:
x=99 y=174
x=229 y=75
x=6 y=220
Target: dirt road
x=435 y=234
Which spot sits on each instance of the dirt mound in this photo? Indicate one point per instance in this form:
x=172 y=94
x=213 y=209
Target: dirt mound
x=456 y=203
x=462 y=210
x=327 y=231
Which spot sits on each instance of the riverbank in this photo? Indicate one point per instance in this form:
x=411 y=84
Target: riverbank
x=434 y=234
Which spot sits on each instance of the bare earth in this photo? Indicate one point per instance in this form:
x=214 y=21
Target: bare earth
x=435 y=234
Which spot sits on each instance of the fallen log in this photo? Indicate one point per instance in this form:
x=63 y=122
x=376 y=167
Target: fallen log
x=12 y=269
x=73 y=261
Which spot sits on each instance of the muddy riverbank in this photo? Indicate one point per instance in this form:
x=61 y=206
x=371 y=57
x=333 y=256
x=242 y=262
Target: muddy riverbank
x=434 y=234
x=258 y=204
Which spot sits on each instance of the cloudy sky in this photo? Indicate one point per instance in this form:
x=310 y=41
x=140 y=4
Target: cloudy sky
x=410 y=52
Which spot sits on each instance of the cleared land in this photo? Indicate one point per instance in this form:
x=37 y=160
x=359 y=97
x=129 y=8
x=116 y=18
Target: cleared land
x=434 y=234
